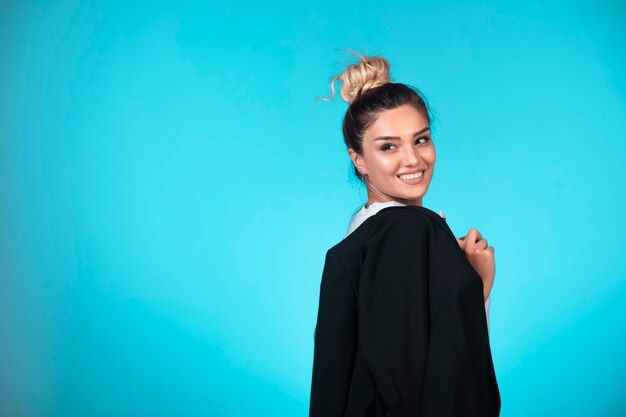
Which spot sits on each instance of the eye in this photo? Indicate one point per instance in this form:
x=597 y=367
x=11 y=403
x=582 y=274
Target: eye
x=386 y=146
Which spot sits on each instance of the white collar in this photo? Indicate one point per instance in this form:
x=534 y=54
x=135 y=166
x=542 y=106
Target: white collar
x=367 y=212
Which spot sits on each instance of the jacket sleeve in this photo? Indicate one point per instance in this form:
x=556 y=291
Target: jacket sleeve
x=335 y=341
x=427 y=349
x=460 y=380
x=393 y=309
x=487 y=305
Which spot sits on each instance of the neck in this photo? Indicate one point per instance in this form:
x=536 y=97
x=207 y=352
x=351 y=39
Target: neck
x=399 y=200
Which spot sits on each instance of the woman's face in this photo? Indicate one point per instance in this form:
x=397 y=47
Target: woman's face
x=397 y=143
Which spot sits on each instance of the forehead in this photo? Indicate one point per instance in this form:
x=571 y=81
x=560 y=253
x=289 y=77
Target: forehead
x=401 y=121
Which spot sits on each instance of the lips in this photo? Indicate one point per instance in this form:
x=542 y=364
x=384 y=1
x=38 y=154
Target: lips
x=412 y=172
x=413 y=181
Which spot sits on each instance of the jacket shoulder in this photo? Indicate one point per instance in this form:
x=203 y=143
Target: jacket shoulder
x=397 y=224
x=404 y=212
x=413 y=216
x=401 y=218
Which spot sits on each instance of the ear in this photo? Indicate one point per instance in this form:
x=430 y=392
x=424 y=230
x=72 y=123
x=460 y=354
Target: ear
x=358 y=161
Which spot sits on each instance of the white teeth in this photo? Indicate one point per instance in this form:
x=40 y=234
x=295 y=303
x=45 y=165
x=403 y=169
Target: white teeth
x=411 y=176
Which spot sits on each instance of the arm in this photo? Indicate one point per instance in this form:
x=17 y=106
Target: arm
x=393 y=309
x=422 y=328
x=335 y=342
x=460 y=242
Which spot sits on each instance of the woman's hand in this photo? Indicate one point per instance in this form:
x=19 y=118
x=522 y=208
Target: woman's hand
x=480 y=256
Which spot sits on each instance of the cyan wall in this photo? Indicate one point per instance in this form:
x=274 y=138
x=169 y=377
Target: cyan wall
x=169 y=188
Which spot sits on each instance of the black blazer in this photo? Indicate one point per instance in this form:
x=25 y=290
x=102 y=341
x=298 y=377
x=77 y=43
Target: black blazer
x=401 y=327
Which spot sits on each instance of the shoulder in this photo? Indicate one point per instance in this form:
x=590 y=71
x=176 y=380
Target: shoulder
x=404 y=214
x=332 y=261
x=413 y=218
x=404 y=225
x=400 y=224
x=402 y=218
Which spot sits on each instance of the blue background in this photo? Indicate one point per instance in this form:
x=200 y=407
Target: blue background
x=169 y=188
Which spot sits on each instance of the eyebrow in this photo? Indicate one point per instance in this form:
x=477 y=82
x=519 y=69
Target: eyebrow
x=398 y=137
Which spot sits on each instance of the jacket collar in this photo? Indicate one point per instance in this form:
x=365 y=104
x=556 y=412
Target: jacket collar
x=436 y=217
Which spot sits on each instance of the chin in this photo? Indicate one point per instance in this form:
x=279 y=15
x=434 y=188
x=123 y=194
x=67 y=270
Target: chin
x=415 y=194
x=409 y=196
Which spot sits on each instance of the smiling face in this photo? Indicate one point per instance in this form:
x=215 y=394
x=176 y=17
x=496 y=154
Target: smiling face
x=397 y=143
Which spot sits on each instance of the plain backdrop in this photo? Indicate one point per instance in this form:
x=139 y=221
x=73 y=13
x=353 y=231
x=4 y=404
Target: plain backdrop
x=169 y=188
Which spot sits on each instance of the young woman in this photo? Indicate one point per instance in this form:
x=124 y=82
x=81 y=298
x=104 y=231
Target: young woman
x=402 y=327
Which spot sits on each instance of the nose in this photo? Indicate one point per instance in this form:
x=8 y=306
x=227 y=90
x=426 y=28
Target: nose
x=410 y=156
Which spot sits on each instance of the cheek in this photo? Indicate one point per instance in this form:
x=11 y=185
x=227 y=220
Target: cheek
x=383 y=163
x=430 y=157
x=389 y=166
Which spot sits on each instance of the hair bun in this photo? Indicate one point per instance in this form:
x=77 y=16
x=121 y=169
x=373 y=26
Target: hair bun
x=356 y=79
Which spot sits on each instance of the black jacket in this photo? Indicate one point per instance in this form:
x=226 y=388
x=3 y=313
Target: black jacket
x=401 y=327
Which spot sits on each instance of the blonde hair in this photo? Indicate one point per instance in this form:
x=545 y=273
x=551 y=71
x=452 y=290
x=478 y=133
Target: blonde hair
x=356 y=79
x=368 y=88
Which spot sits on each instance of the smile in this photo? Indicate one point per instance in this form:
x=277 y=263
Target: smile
x=412 y=179
x=411 y=176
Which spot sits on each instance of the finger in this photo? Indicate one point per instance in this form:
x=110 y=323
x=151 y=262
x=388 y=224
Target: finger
x=471 y=238
x=477 y=240
x=443 y=216
x=482 y=244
